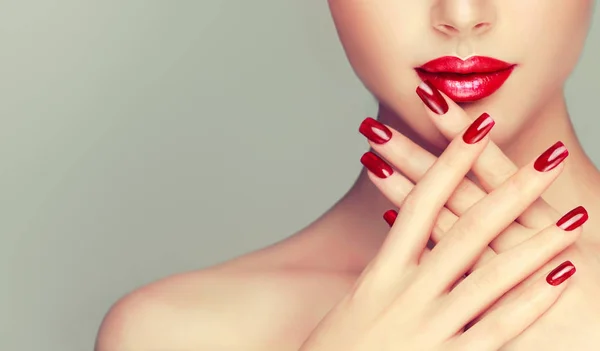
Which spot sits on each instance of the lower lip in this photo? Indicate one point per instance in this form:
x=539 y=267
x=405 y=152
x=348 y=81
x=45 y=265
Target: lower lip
x=467 y=87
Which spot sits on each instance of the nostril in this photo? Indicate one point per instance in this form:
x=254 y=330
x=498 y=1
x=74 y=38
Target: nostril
x=447 y=29
x=481 y=27
x=463 y=29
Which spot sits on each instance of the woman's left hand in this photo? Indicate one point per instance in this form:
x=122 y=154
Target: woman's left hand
x=573 y=322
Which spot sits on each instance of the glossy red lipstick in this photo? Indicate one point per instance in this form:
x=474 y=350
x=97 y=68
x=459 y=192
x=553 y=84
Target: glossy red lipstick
x=466 y=80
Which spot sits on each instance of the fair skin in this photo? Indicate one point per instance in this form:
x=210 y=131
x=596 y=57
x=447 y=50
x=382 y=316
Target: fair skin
x=272 y=299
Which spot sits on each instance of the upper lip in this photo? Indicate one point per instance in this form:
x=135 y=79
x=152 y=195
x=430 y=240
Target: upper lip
x=474 y=64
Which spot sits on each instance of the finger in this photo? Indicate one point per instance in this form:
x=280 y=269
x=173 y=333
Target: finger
x=390 y=217
x=493 y=167
x=476 y=228
x=422 y=205
x=413 y=161
x=444 y=221
x=569 y=221
x=395 y=188
x=508 y=321
x=490 y=282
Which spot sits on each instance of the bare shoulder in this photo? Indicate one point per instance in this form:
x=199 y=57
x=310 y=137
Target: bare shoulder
x=222 y=309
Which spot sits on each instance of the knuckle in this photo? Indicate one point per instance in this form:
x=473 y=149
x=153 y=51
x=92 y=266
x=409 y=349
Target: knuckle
x=468 y=188
x=523 y=185
x=480 y=280
x=514 y=185
x=377 y=283
x=365 y=288
x=496 y=172
x=413 y=202
x=467 y=227
x=454 y=158
x=465 y=186
x=494 y=272
x=399 y=191
x=360 y=292
x=443 y=224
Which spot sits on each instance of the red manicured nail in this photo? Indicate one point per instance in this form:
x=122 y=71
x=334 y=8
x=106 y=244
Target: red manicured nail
x=561 y=273
x=551 y=157
x=376 y=165
x=390 y=217
x=478 y=129
x=432 y=98
x=375 y=131
x=573 y=219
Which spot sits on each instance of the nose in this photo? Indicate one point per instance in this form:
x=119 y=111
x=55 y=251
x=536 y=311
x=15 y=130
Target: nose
x=463 y=17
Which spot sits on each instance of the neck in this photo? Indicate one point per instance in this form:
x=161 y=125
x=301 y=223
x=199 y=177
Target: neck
x=356 y=220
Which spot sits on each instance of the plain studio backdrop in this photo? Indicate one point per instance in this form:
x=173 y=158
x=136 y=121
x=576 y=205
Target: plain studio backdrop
x=145 y=138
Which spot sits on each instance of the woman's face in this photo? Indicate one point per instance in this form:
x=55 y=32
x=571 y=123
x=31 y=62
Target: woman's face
x=391 y=44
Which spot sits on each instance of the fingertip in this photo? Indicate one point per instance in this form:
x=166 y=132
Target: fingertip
x=390 y=217
x=561 y=273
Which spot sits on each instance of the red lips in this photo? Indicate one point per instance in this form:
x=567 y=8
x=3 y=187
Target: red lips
x=466 y=80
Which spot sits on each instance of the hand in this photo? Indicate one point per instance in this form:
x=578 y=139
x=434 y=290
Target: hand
x=569 y=323
x=572 y=322
x=401 y=302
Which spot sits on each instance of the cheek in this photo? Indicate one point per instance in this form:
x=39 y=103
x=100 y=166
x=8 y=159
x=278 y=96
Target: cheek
x=380 y=38
x=553 y=34
x=547 y=46
x=384 y=40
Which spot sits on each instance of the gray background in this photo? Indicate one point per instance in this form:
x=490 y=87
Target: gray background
x=144 y=138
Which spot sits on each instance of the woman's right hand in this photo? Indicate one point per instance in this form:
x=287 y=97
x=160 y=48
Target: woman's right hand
x=405 y=301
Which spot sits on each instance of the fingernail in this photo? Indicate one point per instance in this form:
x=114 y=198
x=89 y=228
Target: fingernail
x=478 y=129
x=432 y=98
x=376 y=165
x=375 y=131
x=561 y=273
x=573 y=219
x=551 y=157
x=390 y=217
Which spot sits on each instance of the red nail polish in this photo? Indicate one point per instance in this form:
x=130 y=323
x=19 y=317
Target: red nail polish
x=390 y=217
x=573 y=219
x=478 y=129
x=376 y=165
x=432 y=98
x=561 y=273
x=551 y=157
x=375 y=131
